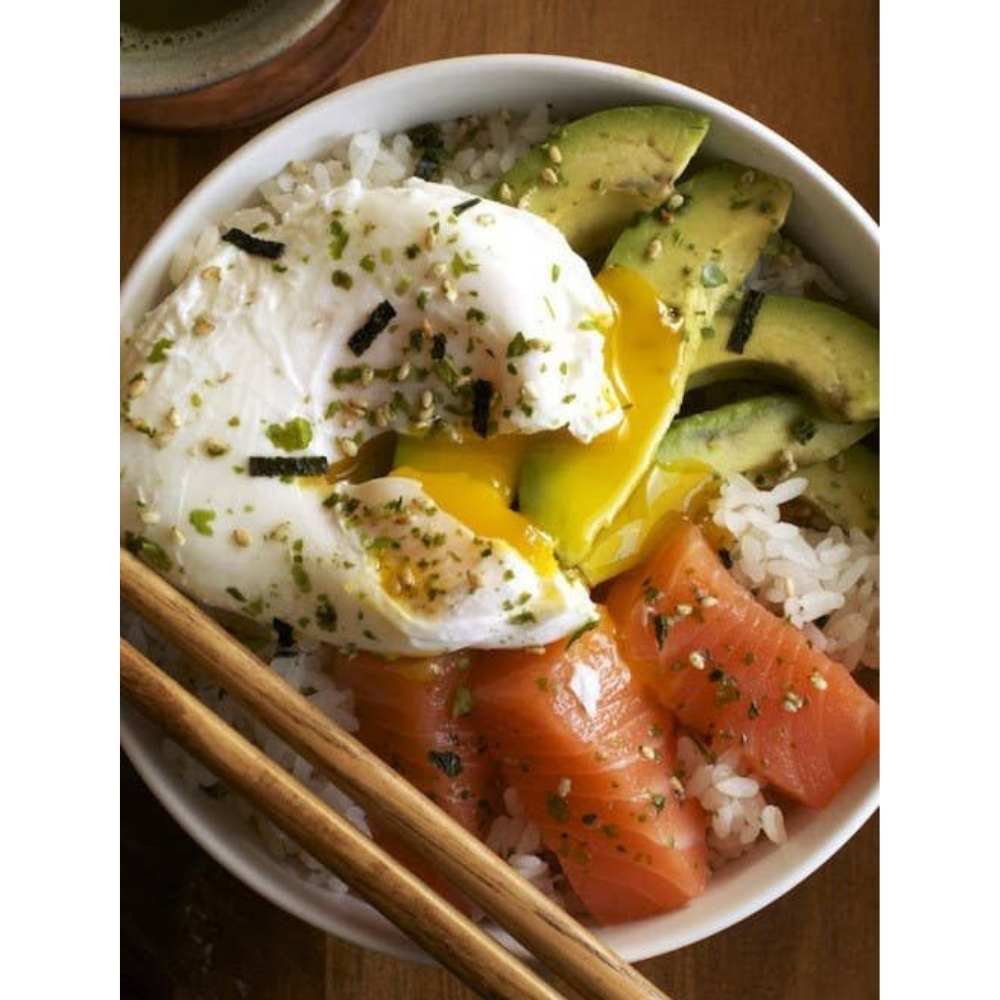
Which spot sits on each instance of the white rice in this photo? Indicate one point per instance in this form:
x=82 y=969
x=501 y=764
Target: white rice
x=480 y=148
x=804 y=575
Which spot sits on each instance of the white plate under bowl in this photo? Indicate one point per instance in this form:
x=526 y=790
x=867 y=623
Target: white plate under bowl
x=824 y=218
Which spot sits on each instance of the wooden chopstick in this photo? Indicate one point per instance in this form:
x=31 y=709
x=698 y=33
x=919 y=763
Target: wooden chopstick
x=433 y=923
x=542 y=926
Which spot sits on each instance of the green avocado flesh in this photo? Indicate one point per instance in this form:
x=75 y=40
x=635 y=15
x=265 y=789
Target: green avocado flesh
x=767 y=432
x=694 y=260
x=606 y=168
x=823 y=351
x=845 y=489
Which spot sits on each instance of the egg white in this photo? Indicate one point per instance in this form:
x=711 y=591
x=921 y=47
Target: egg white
x=246 y=344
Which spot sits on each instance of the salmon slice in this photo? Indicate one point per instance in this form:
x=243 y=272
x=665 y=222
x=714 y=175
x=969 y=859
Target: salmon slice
x=739 y=675
x=414 y=714
x=598 y=783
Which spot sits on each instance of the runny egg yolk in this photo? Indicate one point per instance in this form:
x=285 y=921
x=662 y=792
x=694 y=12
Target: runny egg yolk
x=483 y=510
x=495 y=460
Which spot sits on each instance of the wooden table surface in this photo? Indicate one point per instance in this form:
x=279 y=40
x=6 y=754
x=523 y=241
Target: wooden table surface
x=808 y=69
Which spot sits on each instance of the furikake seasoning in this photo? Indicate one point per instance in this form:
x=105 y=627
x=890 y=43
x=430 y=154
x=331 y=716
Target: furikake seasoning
x=253 y=245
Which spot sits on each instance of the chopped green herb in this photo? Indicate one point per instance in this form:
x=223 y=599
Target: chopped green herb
x=517 y=346
x=557 y=807
x=459 y=266
x=294 y=435
x=462 y=704
x=202 y=521
x=556 y=271
x=339 y=238
x=160 y=350
x=367 y=263
x=342 y=280
x=148 y=551
x=236 y=595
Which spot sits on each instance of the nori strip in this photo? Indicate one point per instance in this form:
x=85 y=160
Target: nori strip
x=271 y=249
x=482 y=396
x=743 y=327
x=363 y=338
x=286 y=638
x=438 y=346
x=429 y=143
x=465 y=206
x=287 y=465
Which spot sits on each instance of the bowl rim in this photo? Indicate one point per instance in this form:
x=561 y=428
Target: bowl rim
x=158 y=775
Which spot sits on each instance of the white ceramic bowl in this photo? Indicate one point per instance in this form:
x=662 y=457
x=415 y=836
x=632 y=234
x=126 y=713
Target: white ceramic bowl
x=824 y=218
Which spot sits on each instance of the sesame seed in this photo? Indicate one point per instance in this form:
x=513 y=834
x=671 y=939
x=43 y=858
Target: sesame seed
x=202 y=327
x=564 y=787
x=212 y=273
x=675 y=201
x=654 y=248
x=462 y=381
x=137 y=386
x=367 y=375
x=406 y=577
x=426 y=399
x=555 y=154
x=646 y=751
x=177 y=536
x=241 y=537
x=789 y=460
x=529 y=392
x=677 y=787
x=382 y=416
x=475 y=580
x=425 y=325
x=697 y=660
x=708 y=601
x=450 y=292
x=430 y=238
x=536 y=650
x=684 y=610
x=523 y=201
x=453 y=434
x=818 y=681
x=173 y=417
x=403 y=372
x=549 y=176
x=789 y=585
x=213 y=447
x=150 y=517
x=485 y=219
x=347 y=446
x=439 y=270
x=358 y=407
x=506 y=194
x=792 y=702
x=421 y=425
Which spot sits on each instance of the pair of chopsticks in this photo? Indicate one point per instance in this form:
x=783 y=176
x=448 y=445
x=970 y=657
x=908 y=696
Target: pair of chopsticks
x=549 y=934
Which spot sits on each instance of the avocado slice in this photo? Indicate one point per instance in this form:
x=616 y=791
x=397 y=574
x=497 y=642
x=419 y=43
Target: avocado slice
x=590 y=177
x=824 y=351
x=774 y=432
x=845 y=488
x=692 y=262
x=757 y=434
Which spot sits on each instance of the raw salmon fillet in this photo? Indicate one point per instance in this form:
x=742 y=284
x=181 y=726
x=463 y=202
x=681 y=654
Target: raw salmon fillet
x=740 y=676
x=413 y=713
x=598 y=783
